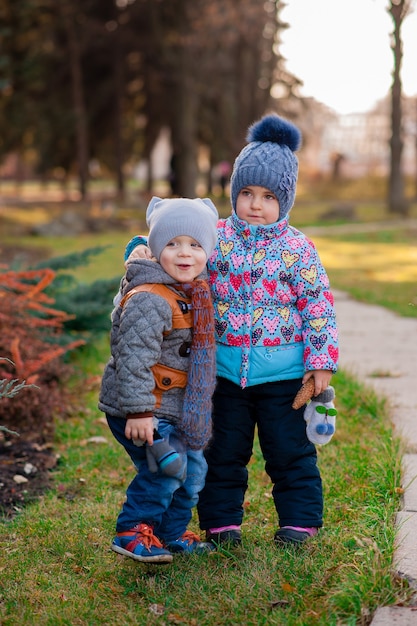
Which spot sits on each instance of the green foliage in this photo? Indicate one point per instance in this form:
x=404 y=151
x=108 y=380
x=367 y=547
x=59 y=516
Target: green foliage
x=89 y=304
x=10 y=388
x=72 y=259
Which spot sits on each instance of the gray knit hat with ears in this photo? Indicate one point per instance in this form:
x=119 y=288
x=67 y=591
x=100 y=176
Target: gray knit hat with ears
x=173 y=217
x=269 y=161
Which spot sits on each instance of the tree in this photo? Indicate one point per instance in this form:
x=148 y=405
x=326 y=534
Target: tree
x=68 y=15
x=100 y=79
x=397 y=203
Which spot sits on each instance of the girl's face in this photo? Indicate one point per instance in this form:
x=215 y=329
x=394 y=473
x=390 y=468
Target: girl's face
x=183 y=258
x=257 y=205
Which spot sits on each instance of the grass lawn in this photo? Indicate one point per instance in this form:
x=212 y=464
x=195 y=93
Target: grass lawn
x=57 y=568
x=377 y=268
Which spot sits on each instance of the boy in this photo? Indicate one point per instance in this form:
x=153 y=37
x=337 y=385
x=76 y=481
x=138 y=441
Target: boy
x=162 y=366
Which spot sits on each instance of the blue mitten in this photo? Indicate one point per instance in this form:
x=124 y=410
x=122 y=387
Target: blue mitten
x=320 y=416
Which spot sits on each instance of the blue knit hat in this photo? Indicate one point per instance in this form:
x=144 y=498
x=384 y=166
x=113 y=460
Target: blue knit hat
x=173 y=217
x=269 y=161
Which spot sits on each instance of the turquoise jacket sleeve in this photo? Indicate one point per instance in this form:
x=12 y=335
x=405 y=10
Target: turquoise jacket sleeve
x=135 y=241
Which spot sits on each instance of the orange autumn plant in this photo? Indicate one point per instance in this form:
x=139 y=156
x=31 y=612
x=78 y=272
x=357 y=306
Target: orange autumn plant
x=24 y=307
x=30 y=329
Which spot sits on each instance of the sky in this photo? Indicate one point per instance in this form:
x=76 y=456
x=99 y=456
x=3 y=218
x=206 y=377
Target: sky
x=340 y=49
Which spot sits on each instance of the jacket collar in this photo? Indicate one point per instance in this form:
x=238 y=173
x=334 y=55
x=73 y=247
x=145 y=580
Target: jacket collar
x=269 y=231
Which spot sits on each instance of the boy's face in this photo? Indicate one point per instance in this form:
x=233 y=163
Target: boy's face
x=183 y=258
x=257 y=205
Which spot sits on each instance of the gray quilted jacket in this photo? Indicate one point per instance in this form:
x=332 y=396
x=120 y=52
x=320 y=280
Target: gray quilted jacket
x=137 y=343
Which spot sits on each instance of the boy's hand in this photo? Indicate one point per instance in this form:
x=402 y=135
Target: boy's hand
x=140 y=428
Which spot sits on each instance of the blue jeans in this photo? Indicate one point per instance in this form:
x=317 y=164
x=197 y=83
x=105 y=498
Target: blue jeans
x=163 y=502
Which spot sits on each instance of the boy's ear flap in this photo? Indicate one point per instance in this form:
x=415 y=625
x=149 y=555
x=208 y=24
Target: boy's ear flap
x=210 y=204
x=151 y=206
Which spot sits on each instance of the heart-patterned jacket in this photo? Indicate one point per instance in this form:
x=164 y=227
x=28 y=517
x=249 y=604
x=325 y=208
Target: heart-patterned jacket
x=274 y=311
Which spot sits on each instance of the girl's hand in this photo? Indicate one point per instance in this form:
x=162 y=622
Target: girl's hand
x=322 y=379
x=140 y=252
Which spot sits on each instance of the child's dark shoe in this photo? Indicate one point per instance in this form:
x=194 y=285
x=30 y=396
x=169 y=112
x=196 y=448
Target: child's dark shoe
x=231 y=538
x=294 y=534
x=139 y=543
x=189 y=543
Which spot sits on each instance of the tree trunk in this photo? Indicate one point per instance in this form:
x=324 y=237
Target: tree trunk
x=415 y=154
x=396 y=199
x=184 y=131
x=118 y=119
x=78 y=99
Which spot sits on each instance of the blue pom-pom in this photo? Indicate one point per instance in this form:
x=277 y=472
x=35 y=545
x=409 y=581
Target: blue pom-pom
x=325 y=429
x=277 y=130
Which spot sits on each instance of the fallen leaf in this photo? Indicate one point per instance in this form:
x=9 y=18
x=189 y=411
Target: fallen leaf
x=177 y=619
x=97 y=439
x=157 y=609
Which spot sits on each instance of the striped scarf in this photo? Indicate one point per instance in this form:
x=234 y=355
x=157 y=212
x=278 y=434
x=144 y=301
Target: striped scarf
x=196 y=422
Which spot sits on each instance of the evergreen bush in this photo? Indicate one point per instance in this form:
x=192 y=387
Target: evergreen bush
x=89 y=305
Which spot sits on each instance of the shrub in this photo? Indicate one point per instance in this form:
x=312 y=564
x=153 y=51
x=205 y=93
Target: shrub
x=87 y=305
x=31 y=330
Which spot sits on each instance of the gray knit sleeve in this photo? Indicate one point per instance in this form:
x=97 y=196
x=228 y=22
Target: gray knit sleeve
x=143 y=321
